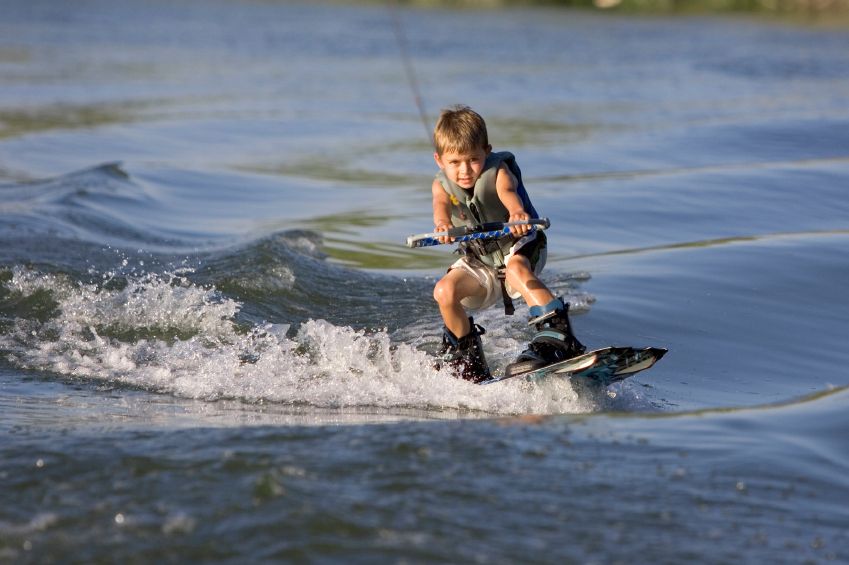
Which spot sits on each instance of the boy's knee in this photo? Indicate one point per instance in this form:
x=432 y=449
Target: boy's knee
x=519 y=267
x=444 y=291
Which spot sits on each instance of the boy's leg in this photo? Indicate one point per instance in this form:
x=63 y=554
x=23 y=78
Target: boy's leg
x=521 y=278
x=449 y=291
x=554 y=340
x=461 y=343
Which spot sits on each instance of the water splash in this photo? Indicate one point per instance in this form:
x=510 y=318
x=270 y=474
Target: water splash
x=163 y=333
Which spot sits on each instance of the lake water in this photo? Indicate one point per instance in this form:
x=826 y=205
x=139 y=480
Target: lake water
x=214 y=346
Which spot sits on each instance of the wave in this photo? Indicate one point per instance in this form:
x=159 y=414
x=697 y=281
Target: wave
x=722 y=241
x=91 y=205
x=805 y=163
x=163 y=333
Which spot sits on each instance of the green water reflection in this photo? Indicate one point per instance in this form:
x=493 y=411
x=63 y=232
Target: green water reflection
x=343 y=241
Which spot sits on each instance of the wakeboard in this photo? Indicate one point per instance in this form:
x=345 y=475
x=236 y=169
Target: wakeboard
x=602 y=366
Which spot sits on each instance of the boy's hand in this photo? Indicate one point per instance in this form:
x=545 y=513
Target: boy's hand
x=519 y=216
x=441 y=227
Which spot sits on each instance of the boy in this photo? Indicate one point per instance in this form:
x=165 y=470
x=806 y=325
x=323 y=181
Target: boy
x=473 y=186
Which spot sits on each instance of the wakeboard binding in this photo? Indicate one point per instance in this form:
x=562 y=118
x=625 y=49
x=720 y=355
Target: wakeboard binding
x=465 y=354
x=553 y=342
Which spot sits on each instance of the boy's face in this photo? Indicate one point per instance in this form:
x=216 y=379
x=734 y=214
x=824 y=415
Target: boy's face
x=463 y=168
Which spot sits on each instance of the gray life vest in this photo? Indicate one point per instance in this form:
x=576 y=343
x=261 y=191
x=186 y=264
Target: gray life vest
x=481 y=205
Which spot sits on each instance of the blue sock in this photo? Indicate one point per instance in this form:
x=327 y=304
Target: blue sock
x=537 y=311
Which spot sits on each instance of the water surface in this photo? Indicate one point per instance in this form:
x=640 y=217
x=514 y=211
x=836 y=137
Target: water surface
x=213 y=345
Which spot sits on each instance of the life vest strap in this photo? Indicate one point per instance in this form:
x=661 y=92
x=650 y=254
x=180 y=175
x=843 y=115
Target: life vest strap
x=509 y=309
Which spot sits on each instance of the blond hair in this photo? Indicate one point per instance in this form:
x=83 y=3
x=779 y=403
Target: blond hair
x=459 y=129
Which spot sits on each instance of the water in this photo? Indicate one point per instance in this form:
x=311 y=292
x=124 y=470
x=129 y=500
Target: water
x=214 y=347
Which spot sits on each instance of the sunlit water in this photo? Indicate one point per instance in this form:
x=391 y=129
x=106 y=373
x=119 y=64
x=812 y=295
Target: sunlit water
x=213 y=345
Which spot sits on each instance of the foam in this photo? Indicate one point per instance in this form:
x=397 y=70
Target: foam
x=163 y=333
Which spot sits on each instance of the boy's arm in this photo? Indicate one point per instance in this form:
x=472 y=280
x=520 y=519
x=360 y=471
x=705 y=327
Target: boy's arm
x=505 y=185
x=441 y=210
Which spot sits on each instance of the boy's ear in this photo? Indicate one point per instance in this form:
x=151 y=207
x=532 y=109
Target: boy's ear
x=438 y=160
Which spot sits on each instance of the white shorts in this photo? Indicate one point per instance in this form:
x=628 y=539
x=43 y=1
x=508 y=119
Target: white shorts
x=487 y=276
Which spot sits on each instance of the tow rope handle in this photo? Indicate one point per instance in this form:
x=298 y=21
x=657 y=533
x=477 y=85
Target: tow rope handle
x=467 y=233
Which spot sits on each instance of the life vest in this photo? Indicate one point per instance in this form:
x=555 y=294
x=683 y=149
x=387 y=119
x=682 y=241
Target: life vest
x=481 y=204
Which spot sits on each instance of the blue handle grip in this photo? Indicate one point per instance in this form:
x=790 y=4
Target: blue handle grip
x=464 y=233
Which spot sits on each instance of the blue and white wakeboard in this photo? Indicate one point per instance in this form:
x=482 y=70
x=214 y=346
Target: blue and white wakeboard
x=602 y=366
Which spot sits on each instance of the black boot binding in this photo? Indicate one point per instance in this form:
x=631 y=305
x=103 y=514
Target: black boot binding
x=553 y=341
x=465 y=354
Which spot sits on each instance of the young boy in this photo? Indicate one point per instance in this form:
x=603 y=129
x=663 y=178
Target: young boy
x=473 y=186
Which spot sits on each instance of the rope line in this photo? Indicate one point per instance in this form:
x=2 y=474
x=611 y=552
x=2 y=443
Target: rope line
x=409 y=71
